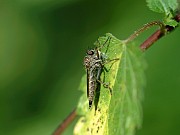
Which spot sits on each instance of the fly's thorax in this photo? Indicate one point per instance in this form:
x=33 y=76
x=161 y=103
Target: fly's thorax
x=93 y=59
x=87 y=62
x=88 y=58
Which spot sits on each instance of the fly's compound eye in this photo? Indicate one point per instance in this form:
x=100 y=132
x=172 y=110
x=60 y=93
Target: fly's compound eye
x=90 y=52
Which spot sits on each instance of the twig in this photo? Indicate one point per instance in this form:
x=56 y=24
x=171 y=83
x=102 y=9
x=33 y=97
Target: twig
x=144 y=28
x=158 y=34
x=65 y=123
x=153 y=38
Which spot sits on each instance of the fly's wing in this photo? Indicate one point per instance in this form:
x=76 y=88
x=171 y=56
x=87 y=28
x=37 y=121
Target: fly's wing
x=87 y=76
x=99 y=71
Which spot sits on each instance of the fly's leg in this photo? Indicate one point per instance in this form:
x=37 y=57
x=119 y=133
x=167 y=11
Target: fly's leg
x=112 y=60
x=106 y=85
x=104 y=69
x=107 y=40
x=109 y=61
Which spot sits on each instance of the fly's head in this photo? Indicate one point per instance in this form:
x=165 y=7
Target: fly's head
x=88 y=58
x=92 y=59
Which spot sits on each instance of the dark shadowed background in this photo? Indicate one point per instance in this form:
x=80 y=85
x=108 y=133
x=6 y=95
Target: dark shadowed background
x=42 y=45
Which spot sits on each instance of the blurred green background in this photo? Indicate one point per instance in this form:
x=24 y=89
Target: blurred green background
x=42 y=45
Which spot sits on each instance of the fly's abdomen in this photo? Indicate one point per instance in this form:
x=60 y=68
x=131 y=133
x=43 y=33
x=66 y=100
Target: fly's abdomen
x=92 y=88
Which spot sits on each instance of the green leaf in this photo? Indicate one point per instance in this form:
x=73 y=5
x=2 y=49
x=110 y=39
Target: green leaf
x=171 y=22
x=83 y=102
x=168 y=7
x=162 y=6
x=119 y=113
x=125 y=106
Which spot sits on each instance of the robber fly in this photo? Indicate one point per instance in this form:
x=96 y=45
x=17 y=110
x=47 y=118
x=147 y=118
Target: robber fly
x=94 y=64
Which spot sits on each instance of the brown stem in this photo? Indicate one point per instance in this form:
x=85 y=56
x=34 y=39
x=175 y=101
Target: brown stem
x=65 y=123
x=153 y=38
x=158 y=34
